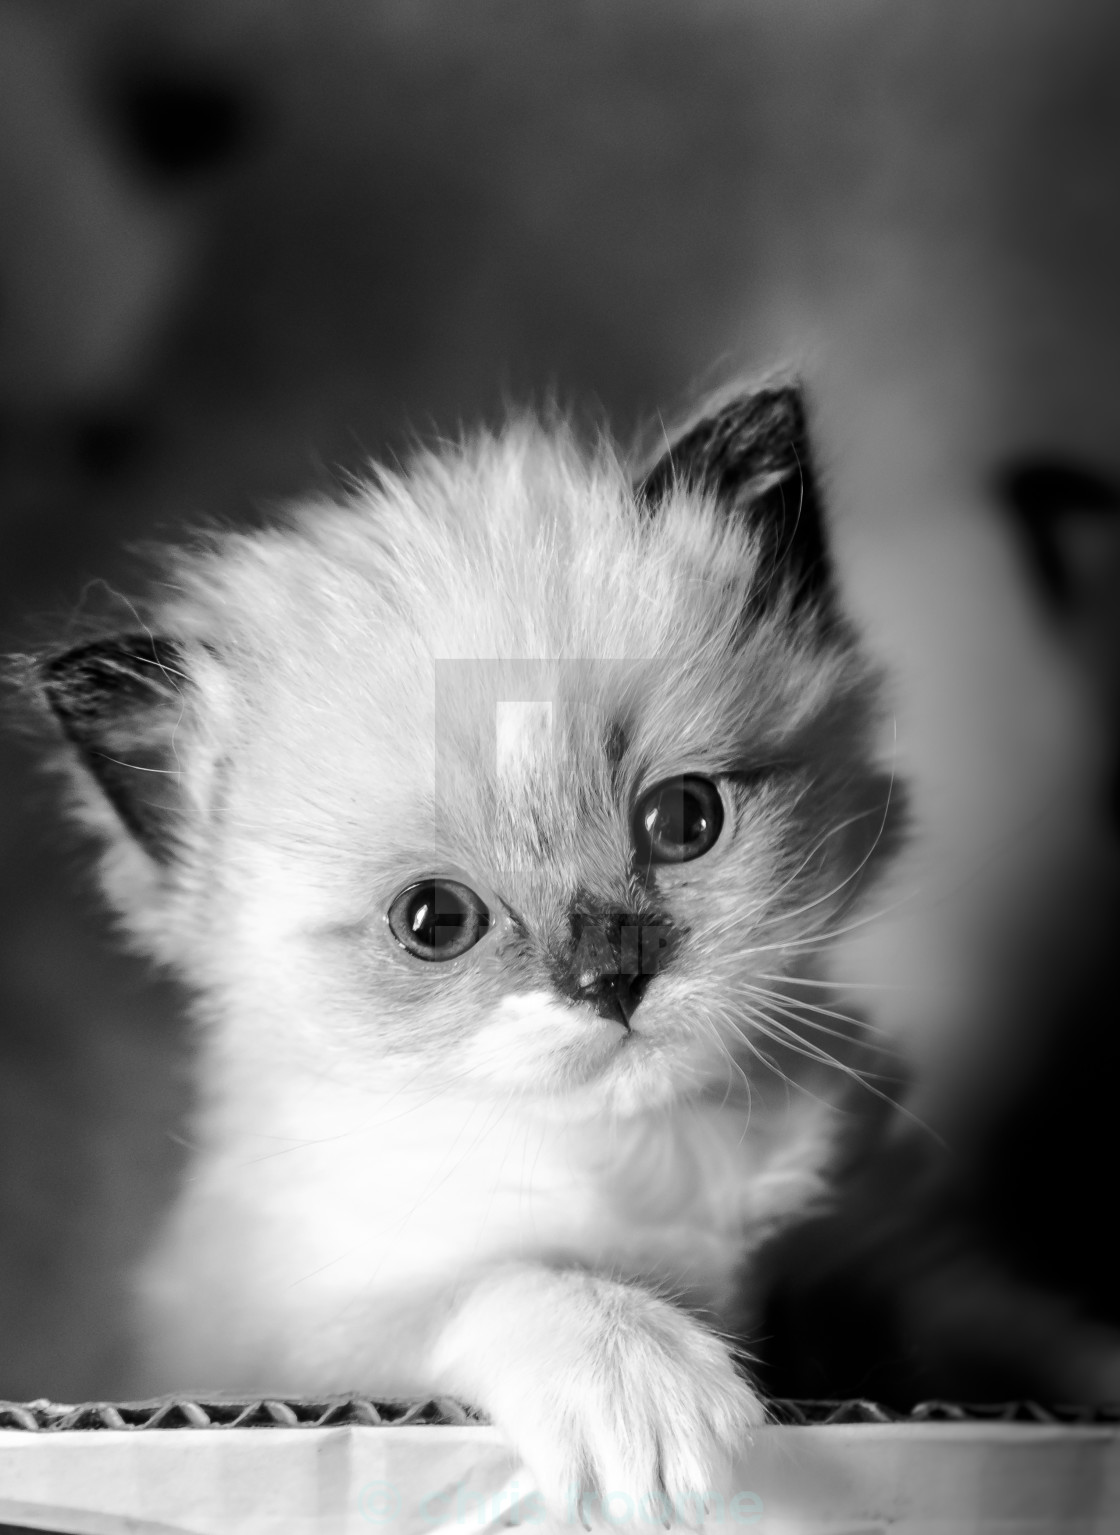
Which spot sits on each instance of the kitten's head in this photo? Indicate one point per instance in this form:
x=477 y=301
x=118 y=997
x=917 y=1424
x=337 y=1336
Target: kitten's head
x=508 y=773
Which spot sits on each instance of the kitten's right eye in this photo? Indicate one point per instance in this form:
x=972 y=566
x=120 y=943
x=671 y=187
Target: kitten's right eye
x=437 y=919
x=678 y=820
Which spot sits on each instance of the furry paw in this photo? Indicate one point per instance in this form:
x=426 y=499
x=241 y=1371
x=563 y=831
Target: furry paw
x=626 y=1408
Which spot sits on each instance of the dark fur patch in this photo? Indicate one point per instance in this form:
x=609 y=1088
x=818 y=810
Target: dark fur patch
x=606 y=940
x=614 y=743
x=119 y=701
x=753 y=455
x=179 y=125
x=1041 y=495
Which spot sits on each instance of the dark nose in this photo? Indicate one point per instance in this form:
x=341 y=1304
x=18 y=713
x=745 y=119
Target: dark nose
x=613 y=955
x=614 y=996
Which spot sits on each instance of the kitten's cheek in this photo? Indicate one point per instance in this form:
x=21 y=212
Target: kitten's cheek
x=530 y=1039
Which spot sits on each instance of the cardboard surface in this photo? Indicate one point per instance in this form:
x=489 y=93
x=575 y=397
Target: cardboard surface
x=862 y=1479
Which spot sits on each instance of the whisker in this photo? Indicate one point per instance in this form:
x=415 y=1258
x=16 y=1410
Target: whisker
x=817 y=1052
x=135 y=767
x=828 y=895
x=781 y=1034
x=787 y=1040
x=862 y=1025
x=826 y=935
x=833 y=831
x=801 y=980
x=771 y=1066
x=795 y=1011
x=752 y=1045
x=854 y=874
x=791 y=1084
x=735 y=1065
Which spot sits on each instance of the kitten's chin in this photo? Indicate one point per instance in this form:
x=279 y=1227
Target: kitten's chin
x=639 y=1078
x=567 y=1057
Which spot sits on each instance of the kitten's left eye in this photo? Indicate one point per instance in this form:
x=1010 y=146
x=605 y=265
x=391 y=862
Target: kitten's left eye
x=437 y=919
x=678 y=820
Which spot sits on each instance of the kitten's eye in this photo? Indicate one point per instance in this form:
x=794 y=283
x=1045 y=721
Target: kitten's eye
x=437 y=919
x=678 y=820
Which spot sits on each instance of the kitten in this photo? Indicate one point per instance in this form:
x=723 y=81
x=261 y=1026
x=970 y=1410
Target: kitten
x=482 y=811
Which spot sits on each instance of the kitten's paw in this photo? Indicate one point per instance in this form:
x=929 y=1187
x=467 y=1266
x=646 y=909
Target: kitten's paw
x=643 y=1422
x=628 y=1410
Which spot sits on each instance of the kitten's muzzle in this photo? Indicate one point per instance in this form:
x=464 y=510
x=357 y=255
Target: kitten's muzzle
x=615 y=996
x=613 y=956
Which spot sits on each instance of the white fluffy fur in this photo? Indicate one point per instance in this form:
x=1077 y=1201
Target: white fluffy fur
x=445 y=1178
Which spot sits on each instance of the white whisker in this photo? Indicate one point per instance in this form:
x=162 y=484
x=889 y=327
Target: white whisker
x=826 y=935
x=801 y=980
x=796 y=1009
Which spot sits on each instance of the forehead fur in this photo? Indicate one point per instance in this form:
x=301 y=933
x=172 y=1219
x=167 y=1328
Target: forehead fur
x=510 y=547
x=367 y=637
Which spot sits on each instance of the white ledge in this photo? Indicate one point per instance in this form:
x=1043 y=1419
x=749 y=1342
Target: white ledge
x=857 y=1479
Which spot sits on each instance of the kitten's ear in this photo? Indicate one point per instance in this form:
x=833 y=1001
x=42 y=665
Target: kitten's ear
x=752 y=454
x=1053 y=501
x=124 y=704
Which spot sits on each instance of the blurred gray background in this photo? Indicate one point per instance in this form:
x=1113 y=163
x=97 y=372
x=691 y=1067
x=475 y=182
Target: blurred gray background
x=245 y=244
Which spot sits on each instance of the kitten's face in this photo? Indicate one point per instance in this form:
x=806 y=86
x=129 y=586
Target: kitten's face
x=508 y=780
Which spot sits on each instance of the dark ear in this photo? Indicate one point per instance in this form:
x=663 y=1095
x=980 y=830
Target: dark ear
x=752 y=454
x=1046 y=497
x=121 y=702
